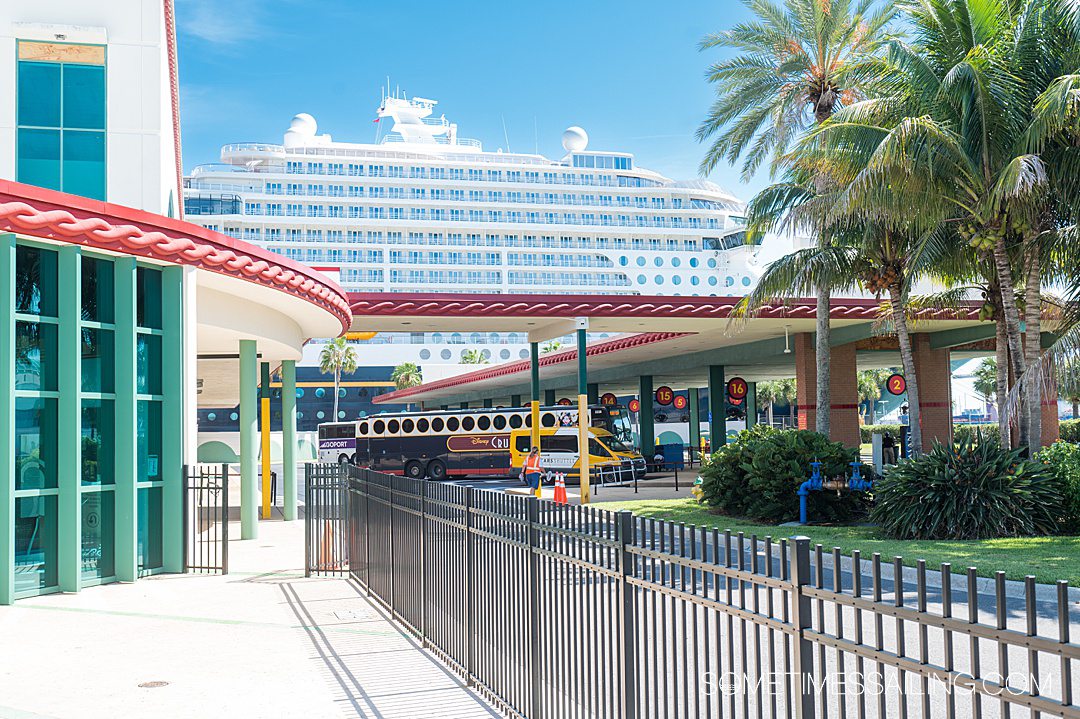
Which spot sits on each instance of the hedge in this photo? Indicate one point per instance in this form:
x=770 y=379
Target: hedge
x=868 y=429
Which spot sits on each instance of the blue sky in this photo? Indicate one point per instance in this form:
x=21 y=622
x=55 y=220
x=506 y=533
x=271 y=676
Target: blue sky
x=629 y=72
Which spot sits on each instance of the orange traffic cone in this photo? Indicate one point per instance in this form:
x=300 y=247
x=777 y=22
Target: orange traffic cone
x=326 y=550
x=560 y=488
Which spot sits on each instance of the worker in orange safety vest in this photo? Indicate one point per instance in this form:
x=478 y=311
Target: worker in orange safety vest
x=532 y=469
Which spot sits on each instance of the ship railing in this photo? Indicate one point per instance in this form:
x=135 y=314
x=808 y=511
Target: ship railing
x=253 y=147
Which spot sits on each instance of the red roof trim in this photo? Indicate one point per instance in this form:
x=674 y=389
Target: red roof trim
x=68 y=218
x=486 y=305
x=174 y=89
x=600 y=348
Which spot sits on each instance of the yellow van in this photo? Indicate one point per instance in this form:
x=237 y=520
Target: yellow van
x=629 y=456
x=559 y=453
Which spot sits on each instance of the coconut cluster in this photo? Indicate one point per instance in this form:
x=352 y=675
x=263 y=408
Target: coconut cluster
x=983 y=237
x=879 y=279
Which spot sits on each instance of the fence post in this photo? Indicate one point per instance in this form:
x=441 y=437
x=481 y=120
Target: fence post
x=801 y=619
x=423 y=564
x=367 y=531
x=224 y=518
x=533 y=509
x=470 y=589
x=628 y=635
x=185 y=517
x=309 y=520
x=390 y=555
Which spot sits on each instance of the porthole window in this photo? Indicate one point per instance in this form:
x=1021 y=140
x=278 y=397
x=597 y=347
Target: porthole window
x=379 y=426
x=523 y=354
x=712 y=262
x=437 y=424
x=499 y=422
x=452 y=424
x=341 y=414
x=641 y=262
x=467 y=423
x=713 y=281
x=425 y=354
x=483 y=423
x=445 y=354
x=407 y=425
x=341 y=392
x=393 y=426
x=486 y=353
x=547 y=419
x=675 y=262
x=363 y=428
x=320 y=392
x=516 y=420
x=504 y=354
x=234 y=416
x=320 y=414
x=693 y=262
x=624 y=261
x=641 y=279
x=299 y=392
x=211 y=416
x=659 y=261
x=528 y=420
x=676 y=280
x=745 y=281
x=729 y=281
x=659 y=279
x=694 y=279
x=422 y=425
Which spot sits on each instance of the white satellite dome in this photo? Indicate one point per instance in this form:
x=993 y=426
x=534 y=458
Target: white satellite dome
x=301 y=130
x=574 y=139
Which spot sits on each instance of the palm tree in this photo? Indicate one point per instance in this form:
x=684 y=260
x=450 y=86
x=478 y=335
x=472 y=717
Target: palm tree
x=337 y=357
x=473 y=357
x=986 y=379
x=407 y=374
x=870 y=382
x=773 y=391
x=974 y=129
x=796 y=64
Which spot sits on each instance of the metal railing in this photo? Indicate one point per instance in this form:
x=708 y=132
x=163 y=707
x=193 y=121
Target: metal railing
x=556 y=611
x=206 y=518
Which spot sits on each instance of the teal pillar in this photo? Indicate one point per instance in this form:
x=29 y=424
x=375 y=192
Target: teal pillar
x=693 y=396
x=751 y=404
x=125 y=419
x=69 y=419
x=7 y=419
x=175 y=376
x=249 y=440
x=288 y=437
x=646 y=429
x=515 y=400
x=594 y=393
x=549 y=397
x=488 y=404
x=717 y=407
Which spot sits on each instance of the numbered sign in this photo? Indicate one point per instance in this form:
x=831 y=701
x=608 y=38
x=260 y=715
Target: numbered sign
x=896 y=384
x=737 y=388
x=608 y=399
x=680 y=402
x=565 y=402
x=633 y=405
x=665 y=395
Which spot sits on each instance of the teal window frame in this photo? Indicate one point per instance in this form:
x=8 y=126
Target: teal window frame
x=78 y=139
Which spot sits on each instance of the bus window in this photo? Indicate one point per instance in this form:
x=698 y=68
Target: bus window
x=547 y=419
x=516 y=421
x=363 y=428
x=452 y=424
x=421 y=425
x=407 y=425
x=392 y=426
x=379 y=426
x=467 y=423
x=483 y=423
x=528 y=420
x=522 y=443
x=598 y=450
x=499 y=422
x=558 y=443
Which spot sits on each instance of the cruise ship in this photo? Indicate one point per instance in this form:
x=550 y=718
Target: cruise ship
x=423 y=209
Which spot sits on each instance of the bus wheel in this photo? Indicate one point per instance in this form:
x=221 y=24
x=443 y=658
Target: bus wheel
x=437 y=470
x=414 y=470
x=343 y=459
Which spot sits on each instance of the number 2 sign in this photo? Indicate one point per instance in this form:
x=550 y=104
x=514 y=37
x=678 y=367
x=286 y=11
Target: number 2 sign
x=896 y=384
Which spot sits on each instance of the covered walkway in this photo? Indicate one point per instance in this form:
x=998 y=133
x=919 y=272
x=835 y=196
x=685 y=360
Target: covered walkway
x=262 y=641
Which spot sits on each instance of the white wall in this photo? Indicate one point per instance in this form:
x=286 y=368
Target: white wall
x=141 y=166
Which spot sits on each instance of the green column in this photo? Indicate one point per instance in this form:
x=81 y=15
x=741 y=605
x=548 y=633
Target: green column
x=645 y=416
x=751 y=404
x=69 y=419
x=693 y=396
x=175 y=376
x=7 y=419
x=717 y=407
x=488 y=404
x=594 y=393
x=249 y=440
x=549 y=397
x=125 y=418
x=515 y=400
x=288 y=437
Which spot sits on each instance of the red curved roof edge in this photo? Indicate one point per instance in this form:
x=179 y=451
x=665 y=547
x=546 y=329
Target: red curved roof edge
x=78 y=220
x=600 y=348
x=499 y=305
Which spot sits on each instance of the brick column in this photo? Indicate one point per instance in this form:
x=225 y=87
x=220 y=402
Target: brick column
x=934 y=375
x=1051 y=432
x=805 y=380
x=843 y=384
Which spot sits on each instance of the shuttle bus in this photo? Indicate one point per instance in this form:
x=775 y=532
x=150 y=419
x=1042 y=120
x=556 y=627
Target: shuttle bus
x=477 y=442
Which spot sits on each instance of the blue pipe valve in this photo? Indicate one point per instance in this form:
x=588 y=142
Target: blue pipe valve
x=856 y=483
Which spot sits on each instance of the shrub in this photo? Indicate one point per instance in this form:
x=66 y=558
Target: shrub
x=1070 y=430
x=974 y=491
x=758 y=476
x=1063 y=459
x=867 y=430
x=975 y=433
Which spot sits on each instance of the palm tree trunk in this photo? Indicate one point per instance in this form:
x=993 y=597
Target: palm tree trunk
x=1002 y=391
x=1032 y=348
x=823 y=352
x=337 y=382
x=1076 y=409
x=1012 y=324
x=769 y=413
x=907 y=359
x=870 y=414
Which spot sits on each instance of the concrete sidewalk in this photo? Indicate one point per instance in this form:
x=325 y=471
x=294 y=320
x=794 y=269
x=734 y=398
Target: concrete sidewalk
x=260 y=642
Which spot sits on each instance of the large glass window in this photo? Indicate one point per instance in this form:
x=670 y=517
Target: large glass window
x=35 y=544
x=35 y=443
x=97 y=360
x=149 y=298
x=97 y=290
x=35 y=356
x=98 y=442
x=149 y=440
x=148 y=356
x=35 y=281
x=61 y=117
x=98 y=535
x=148 y=532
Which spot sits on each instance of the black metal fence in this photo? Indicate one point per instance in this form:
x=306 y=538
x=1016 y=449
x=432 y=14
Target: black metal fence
x=569 y=611
x=326 y=528
x=206 y=518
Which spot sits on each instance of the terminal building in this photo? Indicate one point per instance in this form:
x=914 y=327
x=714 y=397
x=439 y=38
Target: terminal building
x=119 y=318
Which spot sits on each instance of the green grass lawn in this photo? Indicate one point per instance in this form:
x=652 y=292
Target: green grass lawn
x=1047 y=558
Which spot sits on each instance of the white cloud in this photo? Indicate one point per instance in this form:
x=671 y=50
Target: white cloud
x=220 y=22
